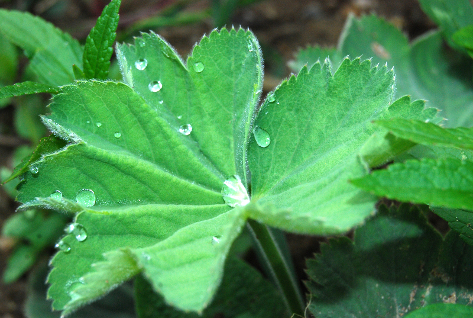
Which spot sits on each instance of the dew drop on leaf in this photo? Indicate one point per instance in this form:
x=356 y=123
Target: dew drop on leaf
x=63 y=246
x=141 y=64
x=77 y=230
x=215 y=240
x=117 y=135
x=155 y=86
x=271 y=98
x=262 y=137
x=185 y=129
x=86 y=197
x=98 y=124
x=34 y=169
x=234 y=192
x=140 y=42
x=198 y=67
x=56 y=195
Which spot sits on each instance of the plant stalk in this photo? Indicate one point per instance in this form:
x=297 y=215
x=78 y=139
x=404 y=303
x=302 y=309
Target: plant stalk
x=278 y=267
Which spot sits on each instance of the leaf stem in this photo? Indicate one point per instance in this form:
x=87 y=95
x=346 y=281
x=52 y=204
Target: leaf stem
x=278 y=266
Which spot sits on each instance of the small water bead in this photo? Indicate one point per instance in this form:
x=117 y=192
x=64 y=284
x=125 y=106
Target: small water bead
x=234 y=192
x=271 y=98
x=155 y=86
x=34 y=169
x=215 y=240
x=78 y=231
x=140 y=42
x=63 y=246
x=56 y=195
x=262 y=137
x=250 y=46
x=141 y=64
x=185 y=129
x=98 y=124
x=179 y=117
x=198 y=67
x=86 y=197
x=117 y=135
x=161 y=102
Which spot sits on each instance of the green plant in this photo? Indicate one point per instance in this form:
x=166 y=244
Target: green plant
x=163 y=171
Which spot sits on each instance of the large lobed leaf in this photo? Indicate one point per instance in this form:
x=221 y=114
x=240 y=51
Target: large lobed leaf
x=317 y=123
x=157 y=169
x=424 y=69
x=147 y=187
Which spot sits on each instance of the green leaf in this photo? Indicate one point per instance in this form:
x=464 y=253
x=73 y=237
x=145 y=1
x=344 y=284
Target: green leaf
x=145 y=169
x=313 y=54
x=443 y=182
x=9 y=62
x=99 y=44
x=458 y=220
x=317 y=122
x=450 y=16
x=47 y=145
x=119 y=303
x=396 y=264
x=424 y=69
x=51 y=51
x=464 y=38
x=241 y=284
x=429 y=134
x=442 y=311
x=35 y=231
x=25 y=88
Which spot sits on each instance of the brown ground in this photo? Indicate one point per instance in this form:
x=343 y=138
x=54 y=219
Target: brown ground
x=282 y=26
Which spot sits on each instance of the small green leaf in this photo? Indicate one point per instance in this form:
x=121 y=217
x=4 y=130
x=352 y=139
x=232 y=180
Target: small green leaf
x=450 y=16
x=396 y=264
x=458 y=220
x=25 y=88
x=429 y=134
x=241 y=284
x=51 y=51
x=442 y=311
x=35 y=230
x=424 y=69
x=443 y=182
x=464 y=38
x=99 y=44
x=46 y=145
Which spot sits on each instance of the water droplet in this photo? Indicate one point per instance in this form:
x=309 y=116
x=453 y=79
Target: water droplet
x=215 y=240
x=86 y=197
x=250 y=46
x=185 y=129
x=141 y=64
x=98 y=124
x=56 y=195
x=262 y=137
x=140 y=42
x=117 y=135
x=234 y=192
x=145 y=256
x=271 y=98
x=198 y=67
x=78 y=231
x=179 y=117
x=63 y=246
x=34 y=169
x=155 y=86
x=161 y=102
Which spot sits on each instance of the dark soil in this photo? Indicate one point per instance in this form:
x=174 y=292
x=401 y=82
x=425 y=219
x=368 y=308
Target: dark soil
x=282 y=26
